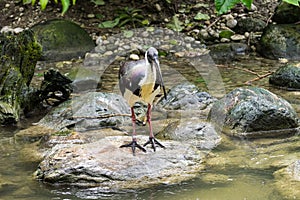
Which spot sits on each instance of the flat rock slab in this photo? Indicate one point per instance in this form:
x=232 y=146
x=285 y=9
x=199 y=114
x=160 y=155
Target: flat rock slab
x=103 y=164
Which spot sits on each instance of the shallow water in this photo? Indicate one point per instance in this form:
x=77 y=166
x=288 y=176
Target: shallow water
x=220 y=181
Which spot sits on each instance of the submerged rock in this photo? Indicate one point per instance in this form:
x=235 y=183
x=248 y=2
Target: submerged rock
x=227 y=52
x=288 y=180
x=280 y=41
x=287 y=76
x=62 y=40
x=103 y=164
x=254 y=112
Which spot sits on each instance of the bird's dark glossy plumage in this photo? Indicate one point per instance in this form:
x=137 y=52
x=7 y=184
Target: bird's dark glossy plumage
x=141 y=81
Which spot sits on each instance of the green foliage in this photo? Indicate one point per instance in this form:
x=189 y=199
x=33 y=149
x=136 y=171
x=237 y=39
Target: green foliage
x=201 y=16
x=175 y=24
x=65 y=4
x=293 y=2
x=98 y=2
x=224 y=6
x=125 y=16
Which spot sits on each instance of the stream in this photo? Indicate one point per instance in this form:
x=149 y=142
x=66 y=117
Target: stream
x=241 y=175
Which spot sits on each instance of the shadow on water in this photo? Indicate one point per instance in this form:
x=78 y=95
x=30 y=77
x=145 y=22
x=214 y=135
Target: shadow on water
x=223 y=180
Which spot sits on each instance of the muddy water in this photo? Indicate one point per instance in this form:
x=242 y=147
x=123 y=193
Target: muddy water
x=239 y=174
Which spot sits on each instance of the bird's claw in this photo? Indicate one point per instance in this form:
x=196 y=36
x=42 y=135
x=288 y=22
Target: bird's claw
x=133 y=145
x=153 y=141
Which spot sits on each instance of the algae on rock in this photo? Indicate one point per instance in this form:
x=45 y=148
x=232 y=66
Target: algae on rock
x=19 y=55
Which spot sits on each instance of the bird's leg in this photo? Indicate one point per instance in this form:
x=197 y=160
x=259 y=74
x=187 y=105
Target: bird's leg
x=152 y=139
x=134 y=143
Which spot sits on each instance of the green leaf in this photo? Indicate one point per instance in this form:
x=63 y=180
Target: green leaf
x=145 y=22
x=43 y=4
x=128 y=34
x=224 y=6
x=201 y=16
x=98 y=2
x=26 y=1
x=247 y=3
x=73 y=2
x=109 y=24
x=32 y=2
x=124 y=22
x=65 y=6
x=176 y=24
x=293 y=2
x=226 y=34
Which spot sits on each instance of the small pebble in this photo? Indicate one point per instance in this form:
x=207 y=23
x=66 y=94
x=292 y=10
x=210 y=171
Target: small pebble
x=108 y=53
x=134 y=57
x=158 y=8
x=231 y=23
x=91 y=15
x=237 y=37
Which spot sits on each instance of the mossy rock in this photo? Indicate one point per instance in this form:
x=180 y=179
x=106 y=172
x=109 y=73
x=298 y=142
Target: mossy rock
x=280 y=41
x=287 y=76
x=62 y=40
x=19 y=54
x=251 y=112
x=286 y=13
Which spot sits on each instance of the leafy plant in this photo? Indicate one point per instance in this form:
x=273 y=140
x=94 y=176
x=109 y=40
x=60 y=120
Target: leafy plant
x=223 y=6
x=65 y=4
x=294 y=2
x=125 y=16
x=175 y=24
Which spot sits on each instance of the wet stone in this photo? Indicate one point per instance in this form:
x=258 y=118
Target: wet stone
x=103 y=164
x=251 y=112
x=186 y=96
x=287 y=76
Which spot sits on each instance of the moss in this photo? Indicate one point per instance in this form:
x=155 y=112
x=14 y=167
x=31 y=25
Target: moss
x=19 y=55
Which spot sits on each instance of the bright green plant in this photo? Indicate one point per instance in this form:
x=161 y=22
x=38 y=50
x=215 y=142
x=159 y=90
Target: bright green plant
x=223 y=6
x=175 y=24
x=65 y=4
x=294 y=2
x=125 y=16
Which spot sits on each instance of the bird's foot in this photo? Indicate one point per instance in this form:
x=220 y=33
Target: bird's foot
x=134 y=145
x=153 y=141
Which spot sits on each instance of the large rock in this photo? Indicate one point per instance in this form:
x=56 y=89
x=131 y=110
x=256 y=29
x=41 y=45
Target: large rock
x=62 y=40
x=187 y=96
x=192 y=131
x=19 y=55
x=88 y=111
x=280 y=41
x=254 y=112
x=249 y=24
x=286 y=13
x=103 y=164
x=287 y=76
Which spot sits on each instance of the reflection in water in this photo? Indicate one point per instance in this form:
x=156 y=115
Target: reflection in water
x=221 y=180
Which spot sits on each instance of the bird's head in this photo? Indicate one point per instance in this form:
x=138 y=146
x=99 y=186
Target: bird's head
x=152 y=55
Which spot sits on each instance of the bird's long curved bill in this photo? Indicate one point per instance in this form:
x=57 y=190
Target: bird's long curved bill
x=160 y=79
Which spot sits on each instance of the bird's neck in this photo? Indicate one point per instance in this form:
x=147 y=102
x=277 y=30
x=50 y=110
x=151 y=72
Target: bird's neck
x=150 y=72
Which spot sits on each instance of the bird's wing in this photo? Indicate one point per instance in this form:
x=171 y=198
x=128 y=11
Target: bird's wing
x=130 y=75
